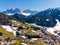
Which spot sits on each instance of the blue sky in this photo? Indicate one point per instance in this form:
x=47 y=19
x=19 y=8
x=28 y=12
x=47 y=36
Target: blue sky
x=29 y=4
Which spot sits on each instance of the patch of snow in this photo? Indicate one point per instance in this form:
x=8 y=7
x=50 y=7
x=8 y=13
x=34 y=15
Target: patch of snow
x=2 y=43
x=14 y=28
x=33 y=31
x=55 y=28
x=10 y=29
x=51 y=30
x=26 y=14
x=25 y=37
x=33 y=39
x=10 y=14
x=15 y=32
x=47 y=19
x=23 y=43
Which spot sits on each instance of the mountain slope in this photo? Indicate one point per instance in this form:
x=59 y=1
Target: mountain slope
x=31 y=12
x=5 y=19
x=45 y=18
x=19 y=17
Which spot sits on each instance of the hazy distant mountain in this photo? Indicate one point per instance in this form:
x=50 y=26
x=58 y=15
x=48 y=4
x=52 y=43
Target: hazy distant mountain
x=18 y=14
x=31 y=12
x=19 y=11
x=45 y=18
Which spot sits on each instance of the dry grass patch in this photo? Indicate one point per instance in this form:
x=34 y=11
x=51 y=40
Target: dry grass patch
x=8 y=34
x=17 y=43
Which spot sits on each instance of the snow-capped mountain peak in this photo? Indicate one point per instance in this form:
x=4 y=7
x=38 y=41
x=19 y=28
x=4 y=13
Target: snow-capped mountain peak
x=10 y=14
x=19 y=11
x=26 y=14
